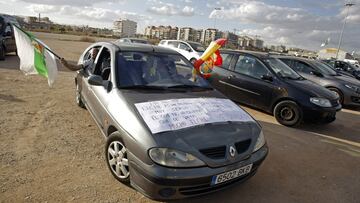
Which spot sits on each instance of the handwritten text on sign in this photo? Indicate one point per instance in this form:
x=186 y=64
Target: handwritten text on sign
x=174 y=114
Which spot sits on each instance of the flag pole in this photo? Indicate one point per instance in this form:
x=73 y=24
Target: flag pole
x=57 y=56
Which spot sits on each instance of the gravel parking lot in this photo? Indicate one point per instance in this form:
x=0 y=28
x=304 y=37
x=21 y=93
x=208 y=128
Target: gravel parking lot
x=51 y=150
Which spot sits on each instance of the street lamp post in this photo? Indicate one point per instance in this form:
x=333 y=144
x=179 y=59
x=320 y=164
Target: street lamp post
x=348 y=5
x=216 y=9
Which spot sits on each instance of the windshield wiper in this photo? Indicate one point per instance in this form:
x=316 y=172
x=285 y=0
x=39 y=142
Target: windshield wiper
x=189 y=86
x=144 y=87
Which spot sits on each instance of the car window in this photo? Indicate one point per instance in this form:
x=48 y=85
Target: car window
x=162 y=42
x=226 y=58
x=103 y=64
x=184 y=47
x=281 y=69
x=287 y=62
x=8 y=29
x=155 y=69
x=251 y=66
x=173 y=44
x=302 y=67
x=197 y=47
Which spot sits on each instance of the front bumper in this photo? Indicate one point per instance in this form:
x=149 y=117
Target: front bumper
x=320 y=114
x=351 y=98
x=162 y=183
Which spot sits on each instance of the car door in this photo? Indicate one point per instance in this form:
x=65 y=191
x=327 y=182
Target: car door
x=248 y=81
x=98 y=95
x=221 y=74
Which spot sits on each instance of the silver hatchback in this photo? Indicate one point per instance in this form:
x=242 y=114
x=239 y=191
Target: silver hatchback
x=169 y=134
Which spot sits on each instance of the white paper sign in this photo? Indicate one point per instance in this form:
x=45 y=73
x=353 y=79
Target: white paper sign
x=174 y=114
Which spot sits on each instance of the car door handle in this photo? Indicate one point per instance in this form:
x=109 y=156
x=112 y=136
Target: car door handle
x=231 y=76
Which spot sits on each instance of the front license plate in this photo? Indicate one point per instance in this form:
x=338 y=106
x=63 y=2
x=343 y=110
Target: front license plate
x=231 y=174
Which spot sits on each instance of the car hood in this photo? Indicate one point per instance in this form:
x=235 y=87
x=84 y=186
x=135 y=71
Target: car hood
x=209 y=142
x=314 y=89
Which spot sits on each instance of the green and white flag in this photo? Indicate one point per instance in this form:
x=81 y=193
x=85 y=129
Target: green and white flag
x=34 y=57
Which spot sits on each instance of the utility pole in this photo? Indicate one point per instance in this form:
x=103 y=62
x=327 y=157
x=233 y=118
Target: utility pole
x=216 y=9
x=348 y=5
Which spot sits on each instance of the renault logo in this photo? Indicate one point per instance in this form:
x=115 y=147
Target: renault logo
x=232 y=151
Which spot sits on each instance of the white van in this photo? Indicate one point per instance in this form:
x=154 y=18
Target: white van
x=190 y=50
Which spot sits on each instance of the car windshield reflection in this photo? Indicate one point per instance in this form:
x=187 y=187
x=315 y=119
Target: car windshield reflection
x=281 y=69
x=156 y=70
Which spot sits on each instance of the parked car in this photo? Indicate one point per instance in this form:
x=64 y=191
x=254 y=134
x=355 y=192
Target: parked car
x=347 y=88
x=167 y=135
x=348 y=68
x=331 y=64
x=7 y=39
x=264 y=82
x=133 y=40
x=190 y=50
x=353 y=62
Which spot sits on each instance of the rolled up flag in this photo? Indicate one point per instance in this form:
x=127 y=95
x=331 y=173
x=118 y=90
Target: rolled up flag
x=210 y=58
x=35 y=56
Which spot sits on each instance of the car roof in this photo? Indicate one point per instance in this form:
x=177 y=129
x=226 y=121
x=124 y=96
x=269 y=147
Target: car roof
x=134 y=38
x=293 y=57
x=137 y=47
x=255 y=53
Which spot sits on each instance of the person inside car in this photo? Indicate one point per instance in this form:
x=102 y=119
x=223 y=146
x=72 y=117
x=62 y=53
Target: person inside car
x=89 y=63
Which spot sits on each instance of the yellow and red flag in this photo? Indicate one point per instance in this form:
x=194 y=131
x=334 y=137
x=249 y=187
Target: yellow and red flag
x=210 y=58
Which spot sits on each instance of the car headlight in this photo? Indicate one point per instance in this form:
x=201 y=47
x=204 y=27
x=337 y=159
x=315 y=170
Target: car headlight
x=260 y=142
x=353 y=87
x=174 y=158
x=320 y=101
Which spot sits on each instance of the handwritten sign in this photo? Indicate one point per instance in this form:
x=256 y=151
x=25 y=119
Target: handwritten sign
x=174 y=114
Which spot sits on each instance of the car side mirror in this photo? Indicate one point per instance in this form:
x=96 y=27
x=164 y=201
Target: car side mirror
x=267 y=78
x=95 y=80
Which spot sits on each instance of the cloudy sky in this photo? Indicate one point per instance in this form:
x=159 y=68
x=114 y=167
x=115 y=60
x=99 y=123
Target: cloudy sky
x=300 y=23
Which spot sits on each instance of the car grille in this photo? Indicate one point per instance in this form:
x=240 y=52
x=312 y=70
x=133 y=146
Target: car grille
x=214 y=152
x=202 y=189
x=242 y=146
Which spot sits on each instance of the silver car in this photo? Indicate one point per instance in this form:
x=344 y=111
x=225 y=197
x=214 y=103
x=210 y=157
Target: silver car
x=168 y=133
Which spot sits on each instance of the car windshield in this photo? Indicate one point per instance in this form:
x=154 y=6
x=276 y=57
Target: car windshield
x=156 y=70
x=281 y=69
x=324 y=69
x=197 y=47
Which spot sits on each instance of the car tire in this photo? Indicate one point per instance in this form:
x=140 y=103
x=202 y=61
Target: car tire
x=339 y=93
x=2 y=53
x=116 y=158
x=78 y=98
x=288 y=113
x=192 y=61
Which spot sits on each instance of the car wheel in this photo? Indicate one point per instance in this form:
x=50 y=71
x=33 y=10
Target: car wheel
x=338 y=93
x=78 y=99
x=192 y=61
x=288 y=113
x=116 y=158
x=2 y=53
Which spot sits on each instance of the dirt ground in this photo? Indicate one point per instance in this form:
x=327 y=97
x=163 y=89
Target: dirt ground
x=52 y=151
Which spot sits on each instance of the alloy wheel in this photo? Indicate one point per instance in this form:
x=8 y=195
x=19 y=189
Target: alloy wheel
x=117 y=158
